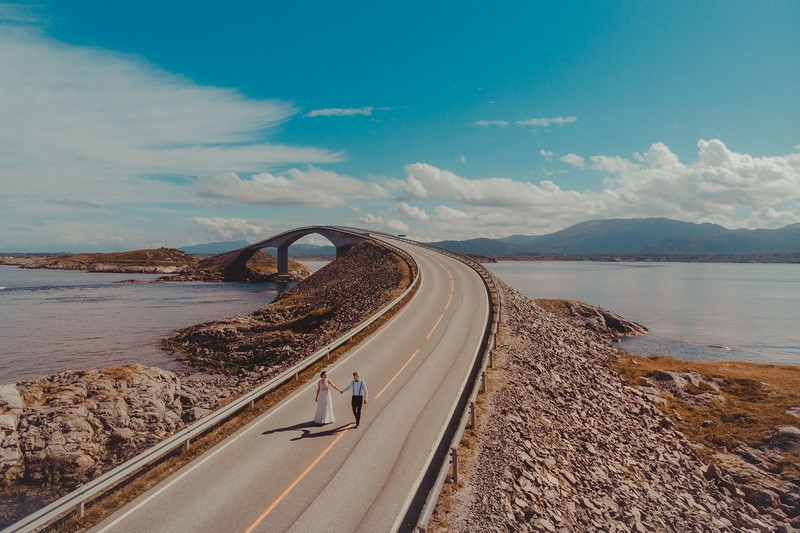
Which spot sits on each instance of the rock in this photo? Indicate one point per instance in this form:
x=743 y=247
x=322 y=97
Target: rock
x=629 y=470
x=785 y=439
x=10 y=399
x=195 y=413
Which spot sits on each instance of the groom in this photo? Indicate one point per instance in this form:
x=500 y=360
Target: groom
x=360 y=395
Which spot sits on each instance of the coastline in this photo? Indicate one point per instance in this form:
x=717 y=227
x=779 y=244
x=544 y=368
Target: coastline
x=568 y=328
x=564 y=443
x=64 y=429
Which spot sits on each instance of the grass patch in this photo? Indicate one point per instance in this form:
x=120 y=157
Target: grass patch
x=756 y=400
x=105 y=505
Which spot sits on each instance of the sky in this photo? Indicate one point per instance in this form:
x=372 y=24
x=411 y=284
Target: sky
x=127 y=125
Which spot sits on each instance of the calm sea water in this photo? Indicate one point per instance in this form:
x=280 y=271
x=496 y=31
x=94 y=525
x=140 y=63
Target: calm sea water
x=698 y=311
x=52 y=320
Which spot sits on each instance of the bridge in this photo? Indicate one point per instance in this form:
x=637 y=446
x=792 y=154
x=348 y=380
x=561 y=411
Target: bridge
x=342 y=238
x=280 y=472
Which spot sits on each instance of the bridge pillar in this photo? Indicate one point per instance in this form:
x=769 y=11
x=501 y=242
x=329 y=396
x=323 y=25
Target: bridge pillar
x=343 y=249
x=283 y=262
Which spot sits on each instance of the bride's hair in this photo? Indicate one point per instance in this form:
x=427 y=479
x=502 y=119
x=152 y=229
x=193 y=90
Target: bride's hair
x=322 y=374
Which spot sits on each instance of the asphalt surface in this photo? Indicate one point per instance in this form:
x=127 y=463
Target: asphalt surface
x=284 y=473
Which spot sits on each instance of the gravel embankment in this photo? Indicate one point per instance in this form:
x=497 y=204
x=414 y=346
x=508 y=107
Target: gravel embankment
x=565 y=445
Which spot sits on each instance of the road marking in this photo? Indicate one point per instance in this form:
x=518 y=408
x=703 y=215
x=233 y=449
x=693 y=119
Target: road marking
x=294 y=483
x=448 y=301
x=434 y=327
x=257 y=422
x=398 y=373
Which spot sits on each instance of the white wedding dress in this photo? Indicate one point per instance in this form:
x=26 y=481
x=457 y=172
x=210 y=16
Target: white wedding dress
x=324 y=414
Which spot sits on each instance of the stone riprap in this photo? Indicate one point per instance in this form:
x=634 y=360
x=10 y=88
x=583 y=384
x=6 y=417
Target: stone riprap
x=565 y=445
x=300 y=321
x=62 y=430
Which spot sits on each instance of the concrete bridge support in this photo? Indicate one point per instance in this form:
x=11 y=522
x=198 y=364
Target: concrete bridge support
x=342 y=239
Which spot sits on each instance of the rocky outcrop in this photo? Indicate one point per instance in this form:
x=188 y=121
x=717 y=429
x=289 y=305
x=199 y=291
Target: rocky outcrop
x=155 y=261
x=593 y=318
x=64 y=429
x=566 y=445
x=301 y=320
x=258 y=267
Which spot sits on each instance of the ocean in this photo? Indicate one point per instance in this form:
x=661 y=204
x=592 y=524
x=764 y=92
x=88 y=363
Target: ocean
x=695 y=311
x=52 y=320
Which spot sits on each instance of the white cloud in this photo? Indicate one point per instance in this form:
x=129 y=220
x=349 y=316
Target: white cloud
x=410 y=211
x=722 y=186
x=229 y=229
x=85 y=122
x=428 y=182
x=462 y=159
x=312 y=187
x=383 y=223
x=489 y=123
x=546 y=154
x=344 y=112
x=545 y=122
x=573 y=160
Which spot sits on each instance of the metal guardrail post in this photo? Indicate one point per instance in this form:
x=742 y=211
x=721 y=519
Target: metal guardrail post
x=454 y=465
x=472 y=415
x=483 y=381
x=182 y=439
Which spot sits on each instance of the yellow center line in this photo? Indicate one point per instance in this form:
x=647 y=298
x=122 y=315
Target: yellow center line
x=398 y=373
x=342 y=434
x=434 y=327
x=294 y=484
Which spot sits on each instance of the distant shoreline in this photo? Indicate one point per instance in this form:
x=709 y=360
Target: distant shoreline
x=646 y=258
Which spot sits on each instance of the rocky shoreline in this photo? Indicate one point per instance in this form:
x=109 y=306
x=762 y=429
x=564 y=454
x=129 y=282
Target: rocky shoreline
x=565 y=444
x=60 y=431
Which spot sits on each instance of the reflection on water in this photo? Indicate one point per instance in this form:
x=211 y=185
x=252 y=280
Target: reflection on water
x=706 y=311
x=53 y=320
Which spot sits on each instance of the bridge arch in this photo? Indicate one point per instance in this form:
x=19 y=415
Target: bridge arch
x=342 y=238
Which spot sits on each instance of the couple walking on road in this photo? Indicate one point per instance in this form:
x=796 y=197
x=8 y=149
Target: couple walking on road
x=324 y=414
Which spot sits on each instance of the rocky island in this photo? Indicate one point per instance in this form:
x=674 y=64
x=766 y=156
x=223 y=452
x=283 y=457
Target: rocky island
x=62 y=430
x=573 y=434
x=178 y=265
x=566 y=444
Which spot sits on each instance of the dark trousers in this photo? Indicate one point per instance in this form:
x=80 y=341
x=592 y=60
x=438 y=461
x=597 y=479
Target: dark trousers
x=357 y=402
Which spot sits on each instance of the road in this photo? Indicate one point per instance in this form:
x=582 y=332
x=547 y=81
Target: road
x=283 y=473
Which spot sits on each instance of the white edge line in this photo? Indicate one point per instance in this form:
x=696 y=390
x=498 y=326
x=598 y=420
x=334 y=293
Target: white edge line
x=418 y=482
x=257 y=421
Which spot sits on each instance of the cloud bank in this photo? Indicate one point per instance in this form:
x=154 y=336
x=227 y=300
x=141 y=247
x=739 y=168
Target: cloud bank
x=722 y=186
x=77 y=121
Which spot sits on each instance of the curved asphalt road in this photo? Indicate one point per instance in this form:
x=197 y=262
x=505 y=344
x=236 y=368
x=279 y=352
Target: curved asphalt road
x=283 y=473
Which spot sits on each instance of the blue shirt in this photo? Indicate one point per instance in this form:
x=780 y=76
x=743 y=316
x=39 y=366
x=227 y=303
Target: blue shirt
x=359 y=389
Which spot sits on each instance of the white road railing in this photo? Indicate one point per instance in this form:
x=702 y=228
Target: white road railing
x=76 y=500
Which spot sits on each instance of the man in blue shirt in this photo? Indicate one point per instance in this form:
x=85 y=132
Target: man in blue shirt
x=360 y=395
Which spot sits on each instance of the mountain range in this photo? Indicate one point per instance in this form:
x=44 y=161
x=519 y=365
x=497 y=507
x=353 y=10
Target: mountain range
x=647 y=236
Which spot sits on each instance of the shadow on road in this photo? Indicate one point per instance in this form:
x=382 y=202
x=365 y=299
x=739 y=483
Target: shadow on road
x=304 y=427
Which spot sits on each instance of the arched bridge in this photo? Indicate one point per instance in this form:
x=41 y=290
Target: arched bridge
x=342 y=238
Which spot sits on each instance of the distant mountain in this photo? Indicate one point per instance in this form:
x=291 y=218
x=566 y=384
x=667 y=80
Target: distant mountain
x=214 y=248
x=639 y=236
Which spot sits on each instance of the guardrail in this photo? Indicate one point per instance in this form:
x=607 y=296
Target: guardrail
x=448 y=470
x=76 y=500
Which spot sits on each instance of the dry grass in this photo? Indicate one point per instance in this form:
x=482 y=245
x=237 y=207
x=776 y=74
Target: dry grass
x=757 y=398
x=104 y=506
x=557 y=307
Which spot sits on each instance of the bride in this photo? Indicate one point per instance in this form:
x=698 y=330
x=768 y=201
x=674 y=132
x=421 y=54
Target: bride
x=324 y=414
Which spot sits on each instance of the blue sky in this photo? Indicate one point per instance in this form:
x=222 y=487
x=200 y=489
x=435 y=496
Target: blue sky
x=138 y=124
